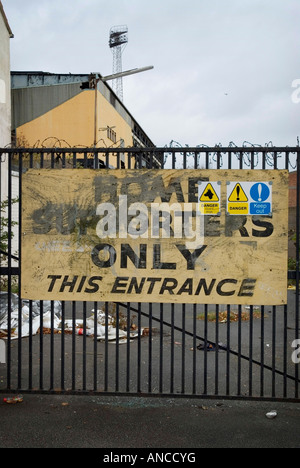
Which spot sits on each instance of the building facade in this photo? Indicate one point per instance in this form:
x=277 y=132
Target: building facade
x=5 y=102
x=68 y=110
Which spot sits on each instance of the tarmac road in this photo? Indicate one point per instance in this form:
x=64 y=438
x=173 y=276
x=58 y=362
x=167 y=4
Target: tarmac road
x=52 y=421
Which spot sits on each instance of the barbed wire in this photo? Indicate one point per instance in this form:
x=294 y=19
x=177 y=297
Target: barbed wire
x=248 y=159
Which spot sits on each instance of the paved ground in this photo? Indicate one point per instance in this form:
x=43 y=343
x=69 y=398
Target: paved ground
x=150 y=423
x=112 y=422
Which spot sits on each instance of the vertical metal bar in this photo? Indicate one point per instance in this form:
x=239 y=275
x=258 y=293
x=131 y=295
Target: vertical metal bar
x=30 y=349
x=85 y=162
x=62 y=356
x=297 y=270
x=241 y=160
x=172 y=365
x=41 y=345
x=161 y=338
x=173 y=159
x=183 y=350
x=128 y=348
x=218 y=160
x=251 y=351
x=139 y=351
x=74 y=159
x=206 y=160
x=52 y=321
x=262 y=351
x=73 y=345
x=205 y=347
x=285 y=321
x=274 y=352
x=95 y=347
x=150 y=350
x=252 y=160
x=239 y=364
x=41 y=316
x=264 y=160
x=19 y=295
x=9 y=291
x=287 y=160
x=228 y=352
x=194 y=320
x=96 y=161
x=217 y=352
x=30 y=346
x=84 y=347
x=52 y=346
x=229 y=159
x=129 y=160
x=184 y=160
x=106 y=349
x=285 y=357
x=172 y=350
x=117 y=348
x=275 y=160
x=194 y=388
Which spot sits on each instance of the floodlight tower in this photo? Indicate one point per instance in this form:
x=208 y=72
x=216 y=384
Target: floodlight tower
x=118 y=40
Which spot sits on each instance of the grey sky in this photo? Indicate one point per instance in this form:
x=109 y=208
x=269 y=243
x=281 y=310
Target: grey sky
x=223 y=68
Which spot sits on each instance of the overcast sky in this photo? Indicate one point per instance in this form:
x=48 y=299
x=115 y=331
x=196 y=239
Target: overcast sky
x=223 y=69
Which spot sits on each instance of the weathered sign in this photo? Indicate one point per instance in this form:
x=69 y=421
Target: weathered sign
x=154 y=236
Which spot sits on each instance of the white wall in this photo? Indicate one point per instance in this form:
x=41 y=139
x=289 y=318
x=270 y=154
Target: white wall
x=5 y=104
x=5 y=126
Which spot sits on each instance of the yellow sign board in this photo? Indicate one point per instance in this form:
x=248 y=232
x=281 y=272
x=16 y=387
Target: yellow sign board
x=238 y=208
x=209 y=198
x=209 y=194
x=250 y=198
x=209 y=208
x=140 y=236
x=238 y=194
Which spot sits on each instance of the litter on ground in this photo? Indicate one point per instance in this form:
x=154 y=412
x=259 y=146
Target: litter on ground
x=31 y=321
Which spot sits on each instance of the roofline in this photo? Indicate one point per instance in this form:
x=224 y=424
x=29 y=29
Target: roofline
x=6 y=21
x=97 y=75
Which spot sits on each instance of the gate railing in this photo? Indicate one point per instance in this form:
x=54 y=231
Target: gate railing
x=178 y=350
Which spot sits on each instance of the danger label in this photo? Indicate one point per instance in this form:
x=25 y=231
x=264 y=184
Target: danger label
x=209 y=198
x=238 y=194
x=249 y=198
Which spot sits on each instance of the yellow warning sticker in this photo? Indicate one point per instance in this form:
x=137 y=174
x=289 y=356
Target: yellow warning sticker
x=209 y=194
x=209 y=208
x=238 y=194
x=238 y=208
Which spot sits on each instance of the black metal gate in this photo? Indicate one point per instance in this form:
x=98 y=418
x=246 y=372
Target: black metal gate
x=178 y=350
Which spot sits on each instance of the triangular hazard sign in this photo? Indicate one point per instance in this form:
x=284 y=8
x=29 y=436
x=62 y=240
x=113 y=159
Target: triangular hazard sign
x=238 y=194
x=209 y=194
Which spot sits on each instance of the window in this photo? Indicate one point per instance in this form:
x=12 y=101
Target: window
x=111 y=135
